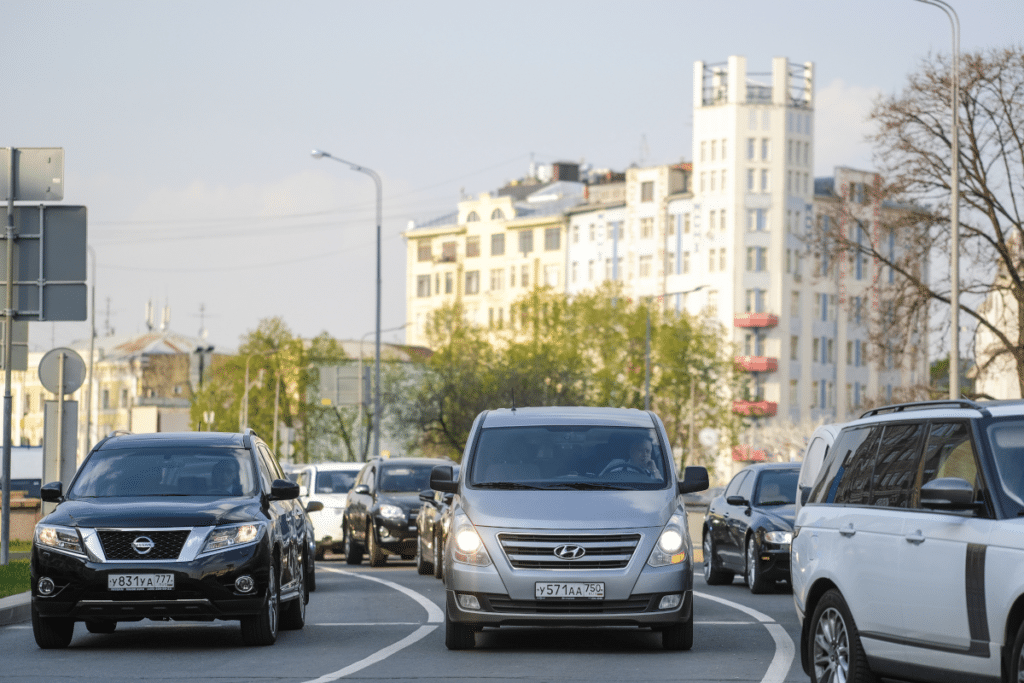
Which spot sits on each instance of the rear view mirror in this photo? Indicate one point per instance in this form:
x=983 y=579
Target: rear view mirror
x=441 y=479
x=52 y=492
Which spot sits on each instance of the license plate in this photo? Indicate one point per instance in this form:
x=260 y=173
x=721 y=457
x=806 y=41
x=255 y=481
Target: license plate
x=140 y=582
x=548 y=590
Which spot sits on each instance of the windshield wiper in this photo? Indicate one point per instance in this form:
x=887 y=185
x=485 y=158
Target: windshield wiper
x=509 y=485
x=588 y=486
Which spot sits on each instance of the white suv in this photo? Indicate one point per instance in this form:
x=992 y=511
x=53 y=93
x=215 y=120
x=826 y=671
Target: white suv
x=908 y=549
x=327 y=483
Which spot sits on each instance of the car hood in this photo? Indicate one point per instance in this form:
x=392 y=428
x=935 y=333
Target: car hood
x=783 y=515
x=569 y=509
x=410 y=502
x=155 y=512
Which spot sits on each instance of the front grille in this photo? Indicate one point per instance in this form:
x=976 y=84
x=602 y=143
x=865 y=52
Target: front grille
x=636 y=603
x=537 y=551
x=117 y=544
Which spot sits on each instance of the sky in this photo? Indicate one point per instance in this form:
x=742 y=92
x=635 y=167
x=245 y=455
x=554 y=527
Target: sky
x=187 y=126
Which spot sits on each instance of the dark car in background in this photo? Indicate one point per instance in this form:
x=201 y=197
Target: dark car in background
x=748 y=529
x=381 y=508
x=432 y=524
x=191 y=526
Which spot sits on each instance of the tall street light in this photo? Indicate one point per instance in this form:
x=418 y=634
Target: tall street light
x=319 y=154
x=954 y=199
x=360 y=418
x=647 y=345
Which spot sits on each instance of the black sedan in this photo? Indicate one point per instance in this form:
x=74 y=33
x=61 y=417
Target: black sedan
x=380 y=510
x=749 y=527
x=192 y=526
x=432 y=525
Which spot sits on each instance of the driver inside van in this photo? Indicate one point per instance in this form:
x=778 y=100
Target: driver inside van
x=640 y=460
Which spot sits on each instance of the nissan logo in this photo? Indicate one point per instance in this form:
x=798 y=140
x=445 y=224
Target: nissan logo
x=569 y=552
x=143 y=545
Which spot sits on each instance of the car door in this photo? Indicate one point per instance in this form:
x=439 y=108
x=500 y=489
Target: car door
x=721 y=519
x=287 y=521
x=360 y=502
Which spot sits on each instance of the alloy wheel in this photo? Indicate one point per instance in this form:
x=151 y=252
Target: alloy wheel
x=831 y=648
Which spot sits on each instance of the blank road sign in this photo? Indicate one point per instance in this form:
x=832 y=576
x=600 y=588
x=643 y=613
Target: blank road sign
x=38 y=173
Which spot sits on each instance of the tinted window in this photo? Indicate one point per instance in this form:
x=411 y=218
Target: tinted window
x=165 y=471
x=746 y=489
x=567 y=456
x=846 y=475
x=948 y=453
x=334 y=482
x=777 y=487
x=734 y=486
x=896 y=466
x=1007 y=441
x=405 y=478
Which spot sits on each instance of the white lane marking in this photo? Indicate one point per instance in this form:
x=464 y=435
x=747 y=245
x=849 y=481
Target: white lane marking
x=434 y=613
x=785 y=650
x=726 y=623
x=377 y=656
x=370 y=623
x=434 y=616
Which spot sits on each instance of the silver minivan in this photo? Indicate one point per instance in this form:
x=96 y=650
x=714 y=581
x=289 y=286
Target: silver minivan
x=568 y=516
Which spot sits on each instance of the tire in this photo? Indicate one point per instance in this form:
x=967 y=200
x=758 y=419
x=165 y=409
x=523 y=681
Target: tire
x=679 y=636
x=835 y=650
x=756 y=581
x=52 y=633
x=423 y=568
x=320 y=552
x=101 y=626
x=353 y=551
x=438 y=559
x=262 y=628
x=378 y=557
x=1015 y=665
x=713 y=576
x=311 y=577
x=293 y=615
x=458 y=636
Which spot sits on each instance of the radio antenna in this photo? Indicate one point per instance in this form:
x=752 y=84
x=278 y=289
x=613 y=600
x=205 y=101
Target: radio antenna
x=513 y=399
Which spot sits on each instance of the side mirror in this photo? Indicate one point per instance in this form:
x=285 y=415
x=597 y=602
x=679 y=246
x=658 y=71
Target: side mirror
x=447 y=498
x=52 y=492
x=283 y=489
x=362 y=489
x=441 y=479
x=805 y=494
x=948 y=493
x=738 y=501
x=314 y=506
x=427 y=496
x=695 y=478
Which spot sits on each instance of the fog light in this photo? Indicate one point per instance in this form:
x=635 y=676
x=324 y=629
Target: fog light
x=469 y=602
x=46 y=586
x=244 y=584
x=670 y=601
x=385 y=533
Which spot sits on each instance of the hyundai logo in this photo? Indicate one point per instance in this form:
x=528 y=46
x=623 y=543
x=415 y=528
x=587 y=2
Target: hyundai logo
x=569 y=552
x=143 y=545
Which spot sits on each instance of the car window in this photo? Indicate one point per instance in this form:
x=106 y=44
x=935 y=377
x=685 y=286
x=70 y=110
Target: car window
x=166 y=471
x=899 y=454
x=734 y=486
x=1007 y=441
x=813 y=460
x=746 y=490
x=777 y=487
x=846 y=475
x=275 y=467
x=334 y=481
x=405 y=478
x=949 y=452
x=265 y=474
x=564 y=456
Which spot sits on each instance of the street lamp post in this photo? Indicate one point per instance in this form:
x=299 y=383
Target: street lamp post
x=359 y=421
x=647 y=344
x=954 y=199
x=319 y=154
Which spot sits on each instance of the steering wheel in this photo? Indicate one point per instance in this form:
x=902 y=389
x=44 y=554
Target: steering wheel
x=625 y=467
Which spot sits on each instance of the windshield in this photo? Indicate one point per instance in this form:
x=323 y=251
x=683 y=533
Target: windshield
x=777 y=487
x=570 y=457
x=335 y=482
x=166 y=471
x=405 y=478
x=1007 y=441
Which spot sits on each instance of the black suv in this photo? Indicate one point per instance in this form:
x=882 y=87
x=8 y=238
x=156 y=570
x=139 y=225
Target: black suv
x=380 y=511
x=192 y=526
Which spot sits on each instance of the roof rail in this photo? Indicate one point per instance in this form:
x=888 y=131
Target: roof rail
x=247 y=437
x=925 y=405
x=108 y=437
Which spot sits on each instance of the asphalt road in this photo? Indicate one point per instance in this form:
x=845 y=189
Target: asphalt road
x=387 y=624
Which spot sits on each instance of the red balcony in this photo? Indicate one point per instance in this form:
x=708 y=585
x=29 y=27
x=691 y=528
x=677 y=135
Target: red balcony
x=749 y=454
x=757 y=363
x=755 y=320
x=755 y=408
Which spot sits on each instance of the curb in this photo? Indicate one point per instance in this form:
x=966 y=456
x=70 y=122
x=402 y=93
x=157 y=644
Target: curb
x=15 y=609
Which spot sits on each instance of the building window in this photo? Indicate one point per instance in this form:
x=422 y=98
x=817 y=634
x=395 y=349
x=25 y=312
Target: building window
x=714 y=146
x=645 y=265
x=552 y=239
x=472 y=217
x=723 y=181
x=712 y=174
x=794 y=392
x=423 y=252
x=721 y=220
x=670 y=259
x=449 y=283
x=593 y=232
x=703 y=182
x=124 y=398
x=472 y=282
x=524 y=276
x=831 y=345
x=794 y=346
x=764 y=180
x=670 y=226
x=575 y=271
x=686 y=224
x=751 y=180
x=497 y=215
x=703 y=150
x=497 y=279
x=721 y=259
x=686 y=262
x=756 y=259
x=647 y=227
x=551 y=275
x=422 y=286
x=711 y=260
x=816 y=349
x=437 y=283
x=106 y=399
x=590 y=270
x=647 y=191
x=766 y=149
x=473 y=246
x=751 y=148
x=757 y=220
x=448 y=252
x=711 y=220
x=755 y=300
x=723 y=149
x=526 y=241
x=498 y=244
x=608 y=269
x=576 y=234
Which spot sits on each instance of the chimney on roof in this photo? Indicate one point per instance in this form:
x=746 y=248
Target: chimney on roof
x=149 y=315
x=165 y=319
x=565 y=170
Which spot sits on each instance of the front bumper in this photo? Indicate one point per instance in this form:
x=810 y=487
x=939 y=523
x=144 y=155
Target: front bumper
x=774 y=562
x=397 y=536
x=203 y=588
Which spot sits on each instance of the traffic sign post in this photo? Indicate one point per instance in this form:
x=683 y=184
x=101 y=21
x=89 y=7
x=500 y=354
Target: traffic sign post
x=61 y=371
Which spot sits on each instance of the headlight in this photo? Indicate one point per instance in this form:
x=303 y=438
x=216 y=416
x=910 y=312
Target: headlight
x=671 y=546
x=225 y=537
x=468 y=547
x=779 y=537
x=391 y=512
x=61 y=538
